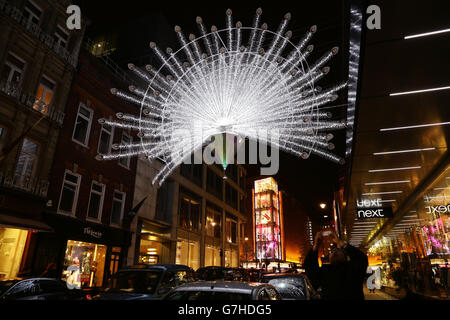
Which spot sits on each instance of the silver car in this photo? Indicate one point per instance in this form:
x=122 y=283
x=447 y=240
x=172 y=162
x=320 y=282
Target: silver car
x=224 y=290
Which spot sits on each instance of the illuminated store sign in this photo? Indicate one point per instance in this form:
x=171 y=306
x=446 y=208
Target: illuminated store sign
x=372 y=209
x=268 y=225
x=438 y=209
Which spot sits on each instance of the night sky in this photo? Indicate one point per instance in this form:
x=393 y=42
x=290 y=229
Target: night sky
x=139 y=22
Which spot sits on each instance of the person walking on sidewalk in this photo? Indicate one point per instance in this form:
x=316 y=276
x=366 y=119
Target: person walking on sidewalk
x=343 y=278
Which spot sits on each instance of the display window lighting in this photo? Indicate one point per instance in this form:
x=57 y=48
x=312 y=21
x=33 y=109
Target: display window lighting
x=446 y=188
x=386 y=182
x=403 y=151
x=395 y=169
x=416 y=126
x=426 y=34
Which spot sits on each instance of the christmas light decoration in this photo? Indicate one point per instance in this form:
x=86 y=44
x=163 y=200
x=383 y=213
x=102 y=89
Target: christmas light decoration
x=248 y=82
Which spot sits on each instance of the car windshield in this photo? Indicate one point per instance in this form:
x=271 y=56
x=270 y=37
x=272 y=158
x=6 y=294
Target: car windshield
x=208 y=295
x=288 y=287
x=5 y=285
x=142 y=281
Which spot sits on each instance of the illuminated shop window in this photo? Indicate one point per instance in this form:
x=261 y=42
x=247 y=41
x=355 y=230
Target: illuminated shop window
x=84 y=264
x=12 y=244
x=188 y=253
x=212 y=256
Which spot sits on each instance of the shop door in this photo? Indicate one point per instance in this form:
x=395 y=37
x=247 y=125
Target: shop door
x=114 y=260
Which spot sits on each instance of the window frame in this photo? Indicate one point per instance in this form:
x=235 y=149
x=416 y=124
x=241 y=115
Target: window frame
x=122 y=210
x=111 y=133
x=32 y=14
x=35 y=160
x=128 y=165
x=102 y=200
x=59 y=39
x=88 y=131
x=46 y=90
x=14 y=68
x=75 y=199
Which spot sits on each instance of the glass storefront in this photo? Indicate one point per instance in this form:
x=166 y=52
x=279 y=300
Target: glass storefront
x=232 y=257
x=84 y=264
x=12 y=245
x=188 y=253
x=212 y=256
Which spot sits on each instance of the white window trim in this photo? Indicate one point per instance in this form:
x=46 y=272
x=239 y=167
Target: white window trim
x=88 y=132
x=36 y=157
x=122 y=209
x=32 y=13
x=102 y=199
x=14 y=68
x=58 y=42
x=77 y=191
x=110 y=140
x=129 y=158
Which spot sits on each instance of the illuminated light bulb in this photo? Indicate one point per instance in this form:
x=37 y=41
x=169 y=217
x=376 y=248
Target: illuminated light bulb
x=238 y=25
x=177 y=29
x=169 y=51
x=287 y=16
x=152 y=45
x=131 y=66
x=229 y=12
x=99 y=157
x=191 y=37
x=259 y=11
x=119 y=115
x=101 y=121
x=264 y=26
x=115 y=146
x=199 y=20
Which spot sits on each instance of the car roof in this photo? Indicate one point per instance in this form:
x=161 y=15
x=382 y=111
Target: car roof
x=221 y=286
x=282 y=275
x=142 y=266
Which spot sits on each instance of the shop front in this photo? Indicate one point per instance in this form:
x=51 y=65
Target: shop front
x=154 y=242
x=84 y=254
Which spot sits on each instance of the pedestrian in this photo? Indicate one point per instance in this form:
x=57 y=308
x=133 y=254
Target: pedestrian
x=343 y=278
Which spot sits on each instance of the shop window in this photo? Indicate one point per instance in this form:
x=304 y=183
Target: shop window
x=12 y=71
x=26 y=163
x=12 y=244
x=188 y=253
x=44 y=95
x=212 y=256
x=83 y=124
x=32 y=13
x=104 y=143
x=126 y=140
x=232 y=258
x=190 y=212
x=213 y=222
x=69 y=193
x=84 y=264
x=96 y=201
x=61 y=37
x=117 y=207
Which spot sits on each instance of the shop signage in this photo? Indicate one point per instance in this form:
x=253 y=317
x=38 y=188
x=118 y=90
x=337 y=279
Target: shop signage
x=89 y=231
x=372 y=209
x=438 y=209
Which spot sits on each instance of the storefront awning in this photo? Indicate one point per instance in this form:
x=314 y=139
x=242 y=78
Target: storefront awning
x=22 y=223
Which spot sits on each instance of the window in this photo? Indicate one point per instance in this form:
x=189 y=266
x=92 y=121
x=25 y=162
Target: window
x=61 y=37
x=12 y=70
x=214 y=183
x=27 y=161
x=193 y=172
x=117 y=207
x=2 y=137
x=82 y=127
x=188 y=253
x=44 y=95
x=126 y=140
x=96 y=201
x=213 y=222
x=231 y=195
x=32 y=13
x=231 y=230
x=104 y=144
x=69 y=193
x=190 y=212
x=163 y=204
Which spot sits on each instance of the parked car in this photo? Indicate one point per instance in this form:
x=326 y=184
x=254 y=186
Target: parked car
x=223 y=273
x=291 y=286
x=224 y=290
x=38 y=289
x=145 y=282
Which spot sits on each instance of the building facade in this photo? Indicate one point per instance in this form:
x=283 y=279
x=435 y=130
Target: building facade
x=38 y=56
x=195 y=218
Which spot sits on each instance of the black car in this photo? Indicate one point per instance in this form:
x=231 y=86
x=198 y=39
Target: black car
x=38 y=289
x=223 y=291
x=291 y=286
x=145 y=282
x=223 y=273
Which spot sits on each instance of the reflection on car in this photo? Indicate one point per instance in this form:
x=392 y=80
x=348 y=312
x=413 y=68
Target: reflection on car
x=38 y=289
x=291 y=286
x=224 y=290
x=145 y=282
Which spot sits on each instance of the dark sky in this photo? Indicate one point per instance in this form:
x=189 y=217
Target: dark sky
x=139 y=22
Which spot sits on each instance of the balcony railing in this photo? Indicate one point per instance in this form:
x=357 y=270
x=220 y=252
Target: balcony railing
x=25 y=184
x=16 y=92
x=34 y=30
